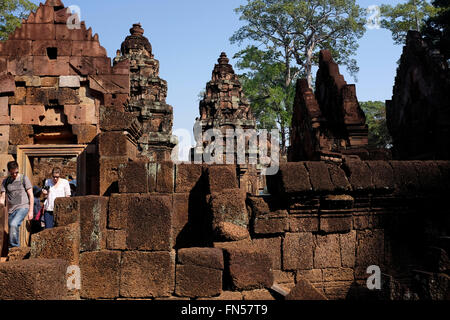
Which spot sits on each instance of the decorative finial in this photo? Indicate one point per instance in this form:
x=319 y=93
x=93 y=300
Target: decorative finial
x=223 y=58
x=137 y=30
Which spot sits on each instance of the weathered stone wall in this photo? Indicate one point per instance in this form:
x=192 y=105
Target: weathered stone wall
x=186 y=231
x=418 y=115
x=327 y=123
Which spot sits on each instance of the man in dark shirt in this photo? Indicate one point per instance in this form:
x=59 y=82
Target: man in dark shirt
x=19 y=200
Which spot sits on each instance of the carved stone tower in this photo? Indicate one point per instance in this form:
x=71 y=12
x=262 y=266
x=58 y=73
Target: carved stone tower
x=148 y=94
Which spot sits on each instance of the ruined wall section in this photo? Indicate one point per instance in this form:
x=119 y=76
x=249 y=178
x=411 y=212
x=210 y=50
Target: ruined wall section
x=418 y=116
x=185 y=231
x=329 y=123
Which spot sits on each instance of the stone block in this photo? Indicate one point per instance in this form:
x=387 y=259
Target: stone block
x=4 y=108
x=405 y=177
x=249 y=269
x=64 y=33
x=27 y=114
x=327 y=253
x=49 y=82
x=4 y=133
x=116 y=239
x=20 y=96
x=304 y=290
x=113 y=120
x=16 y=48
x=180 y=218
x=85 y=133
x=211 y=258
x=42 y=66
x=272 y=223
x=339 y=179
x=165 y=177
x=319 y=177
x=187 y=177
x=53 y=116
x=67 y=211
x=108 y=173
x=100 y=274
x=57 y=243
x=336 y=222
x=312 y=275
x=338 y=274
x=7 y=84
x=70 y=96
x=347 y=242
x=93 y=217
x=258 y=294
x=30 y=81
x=196 y=281
x=337 y=290
x=369 y=251
x=19 y=66
x=133 y=177
x=119 y=205
x=359 y=175
x=292 y=178
x=149 y=223
x=228 y=206
x=382 y=176
x=88 y=49
x=80 y=114
x=361 y=220
x=115 y=144
x=146 y=274
x=283 y=276
x=429 y=176
x=33 y=279
x=69 y=82
x=303 y=223
x=298 y=251
x=220 y=177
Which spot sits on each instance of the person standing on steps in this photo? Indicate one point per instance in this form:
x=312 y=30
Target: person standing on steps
x=17 y=191
x=56 y=187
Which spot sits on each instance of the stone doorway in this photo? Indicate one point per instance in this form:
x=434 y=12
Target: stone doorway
x=37 y=161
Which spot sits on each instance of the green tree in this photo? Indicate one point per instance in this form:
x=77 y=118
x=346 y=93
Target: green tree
x=289 y=35
x=265 y=87
x=11 y=14
x=403 y=17
x=379 y=136
x=437 y=27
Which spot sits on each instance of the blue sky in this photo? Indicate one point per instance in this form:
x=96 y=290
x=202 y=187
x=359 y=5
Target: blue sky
x=188 y=36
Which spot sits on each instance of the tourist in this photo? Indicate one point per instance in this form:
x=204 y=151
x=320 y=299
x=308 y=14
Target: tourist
x=56 y=187
x=19 y=200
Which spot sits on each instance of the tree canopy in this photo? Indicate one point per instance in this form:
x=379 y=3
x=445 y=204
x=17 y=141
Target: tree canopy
x=11 y=14
x=437 y=27
x=406 y=16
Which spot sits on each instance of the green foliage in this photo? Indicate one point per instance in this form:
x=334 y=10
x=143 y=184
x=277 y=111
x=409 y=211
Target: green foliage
x=403 y=17
x=379 y=136
x=437 y=27
x=11 y=14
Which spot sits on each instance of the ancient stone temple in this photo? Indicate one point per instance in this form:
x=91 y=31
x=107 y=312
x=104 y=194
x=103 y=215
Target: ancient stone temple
x=418 y=116
x=329 y=123
x=148 y=94
x=224 y=107
x=145 y=228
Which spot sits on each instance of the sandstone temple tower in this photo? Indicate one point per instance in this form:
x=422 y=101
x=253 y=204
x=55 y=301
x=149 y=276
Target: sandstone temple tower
x=148 y=94
x=224 y=107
